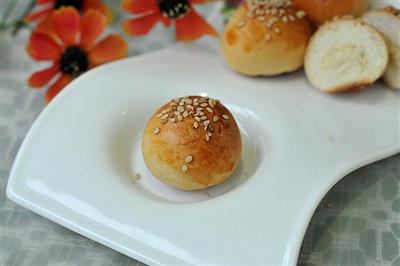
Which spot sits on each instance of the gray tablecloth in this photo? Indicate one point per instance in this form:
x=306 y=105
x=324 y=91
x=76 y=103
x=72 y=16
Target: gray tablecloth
x=358 y=222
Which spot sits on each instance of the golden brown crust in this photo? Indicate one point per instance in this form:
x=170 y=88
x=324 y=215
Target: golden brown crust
x=319 y=11
x=253 y=46
x=214 y=158
x=351 y=87
x=391 y=10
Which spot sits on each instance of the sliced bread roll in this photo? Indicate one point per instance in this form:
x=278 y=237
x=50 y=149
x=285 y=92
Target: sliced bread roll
x=387 y=22
x=345 y=54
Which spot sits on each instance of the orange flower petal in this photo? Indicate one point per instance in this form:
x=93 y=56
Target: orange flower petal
x=142 y=25
x=39 y=2
x=111 y=48
x=192 y=27
x=54 y=89
x=38 y=14
x=99 y=6
x=43 y=47
x=139 y=6
x=40 y=78
x=66 y=23
x=92 y=25
x=46 y=26
x=197 y=1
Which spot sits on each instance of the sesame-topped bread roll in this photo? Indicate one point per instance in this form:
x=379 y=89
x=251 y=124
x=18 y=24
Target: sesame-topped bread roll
x=319 y=11
x=387 y=22
x=192 y=143
x=345 y=54
x=266 y=37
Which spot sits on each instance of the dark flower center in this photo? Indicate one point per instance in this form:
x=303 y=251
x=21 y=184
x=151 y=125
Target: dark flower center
x=78 y=4
x=74 y=61
x=173 y=8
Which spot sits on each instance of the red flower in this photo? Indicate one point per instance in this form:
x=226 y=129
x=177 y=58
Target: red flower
x=189 y=25
x=80 y=5
x=72 y=48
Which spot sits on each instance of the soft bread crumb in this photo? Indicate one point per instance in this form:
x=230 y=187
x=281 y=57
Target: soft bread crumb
x=345 y=54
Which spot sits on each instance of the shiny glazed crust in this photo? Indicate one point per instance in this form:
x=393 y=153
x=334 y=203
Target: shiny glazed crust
x=253 y=48
x=167 y=146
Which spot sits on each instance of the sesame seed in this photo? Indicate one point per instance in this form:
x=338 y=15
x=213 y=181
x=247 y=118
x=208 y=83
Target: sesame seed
x=210 y=110
x=240 y=24
x=164 y=121
x=177 y=113
x=185 y=114
x=207 y=137
x=225 y=117
x=191 y=112
x=166 y=111
x=199 y=113
x=195 y=103
x=189 y=107
x=195 y=124
x=181 y=103
x=180 y=109
x=189 y=101
x=184 y=168
x=200 y=109
x=203 y=104
x=268 y=37
x=173 y=104
x=277 y=30
x=189 y=159
x=215 y=119
x=261 y=18
x=164 y=116
x=203 y=117
x=197 y=118
x=211 y=102
x=159 y=115
x=291 y=18
x=206 y=122
x=285 y=19
x=300 y=14
x=180 y=118
x=271 y=21
x=156 y=130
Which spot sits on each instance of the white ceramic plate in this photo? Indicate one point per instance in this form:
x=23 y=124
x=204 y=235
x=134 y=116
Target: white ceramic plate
x=76 y=165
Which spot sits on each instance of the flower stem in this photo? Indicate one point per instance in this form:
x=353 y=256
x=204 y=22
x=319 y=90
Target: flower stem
x=21 y=21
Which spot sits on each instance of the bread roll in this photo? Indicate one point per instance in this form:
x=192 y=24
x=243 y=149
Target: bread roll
x=192 y=143
x=266 y=38
x=319 y=11
x=387 y=22
x=345 y=54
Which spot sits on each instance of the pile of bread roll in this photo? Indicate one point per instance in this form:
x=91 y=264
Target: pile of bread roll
x=342 y=45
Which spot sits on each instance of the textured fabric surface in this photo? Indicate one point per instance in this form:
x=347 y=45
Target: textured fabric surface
x=358 y=222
